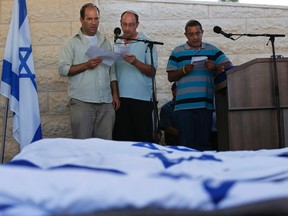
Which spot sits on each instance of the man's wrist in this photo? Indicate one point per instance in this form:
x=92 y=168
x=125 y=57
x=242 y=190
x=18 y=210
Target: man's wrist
x=183 y=70
x=133 y=62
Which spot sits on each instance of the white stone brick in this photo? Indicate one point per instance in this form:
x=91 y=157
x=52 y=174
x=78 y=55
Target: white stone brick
x=51 y=33
x=166 y=11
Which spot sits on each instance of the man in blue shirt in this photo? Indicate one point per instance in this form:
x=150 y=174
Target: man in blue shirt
x=134 y=75
x=193 y=65
x=168 y=121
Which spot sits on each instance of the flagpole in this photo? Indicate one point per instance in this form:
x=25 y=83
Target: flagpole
x=4 y=130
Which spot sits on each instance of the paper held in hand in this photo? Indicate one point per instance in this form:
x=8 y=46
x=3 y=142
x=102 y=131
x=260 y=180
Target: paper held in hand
x=108 y=57
x=197 y=60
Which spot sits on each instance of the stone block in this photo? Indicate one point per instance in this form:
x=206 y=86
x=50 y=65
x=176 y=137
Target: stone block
x=47 y=34
x=58 y=103
x=12 y=148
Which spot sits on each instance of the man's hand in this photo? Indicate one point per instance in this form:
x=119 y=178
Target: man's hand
x=210 y=65
x=129 y=58
x=94 y=62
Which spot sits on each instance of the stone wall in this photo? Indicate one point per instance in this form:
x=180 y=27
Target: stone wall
x=51 y=22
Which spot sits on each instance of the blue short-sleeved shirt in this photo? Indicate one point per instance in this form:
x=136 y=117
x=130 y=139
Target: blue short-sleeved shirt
x=131 y=82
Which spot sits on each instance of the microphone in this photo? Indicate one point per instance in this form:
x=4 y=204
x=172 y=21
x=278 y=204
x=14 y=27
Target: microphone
x=218 y=30
x=117 y=32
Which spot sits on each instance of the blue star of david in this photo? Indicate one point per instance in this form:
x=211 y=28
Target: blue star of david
x=24 y=54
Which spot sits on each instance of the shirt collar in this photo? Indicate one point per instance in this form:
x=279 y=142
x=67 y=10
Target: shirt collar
x=187 y=47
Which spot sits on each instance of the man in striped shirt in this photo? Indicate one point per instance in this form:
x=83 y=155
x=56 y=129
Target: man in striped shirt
x=193 y=65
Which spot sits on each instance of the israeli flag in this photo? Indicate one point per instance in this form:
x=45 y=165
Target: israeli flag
x=18 y=82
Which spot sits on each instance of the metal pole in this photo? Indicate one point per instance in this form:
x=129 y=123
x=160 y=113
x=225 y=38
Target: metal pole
x=154 y=99
x=277 y=96
x=4 y=130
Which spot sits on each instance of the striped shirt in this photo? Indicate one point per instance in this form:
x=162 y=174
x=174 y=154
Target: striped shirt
x=196 y=89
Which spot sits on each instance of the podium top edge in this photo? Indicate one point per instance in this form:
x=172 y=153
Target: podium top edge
x=255 y=61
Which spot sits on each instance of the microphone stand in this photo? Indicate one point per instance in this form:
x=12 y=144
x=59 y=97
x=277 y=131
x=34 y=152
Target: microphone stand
x=276 y=82
x=154 y=100
x=276 y=90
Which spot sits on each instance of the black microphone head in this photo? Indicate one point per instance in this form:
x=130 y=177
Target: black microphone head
x=217 y=29
x=117 y=31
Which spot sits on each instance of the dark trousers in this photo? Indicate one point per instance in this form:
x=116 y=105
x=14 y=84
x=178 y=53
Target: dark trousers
x=134 y=121
x=194 y=126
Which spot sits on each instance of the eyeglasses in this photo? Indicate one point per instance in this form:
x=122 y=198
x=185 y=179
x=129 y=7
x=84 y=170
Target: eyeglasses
x=128 y=24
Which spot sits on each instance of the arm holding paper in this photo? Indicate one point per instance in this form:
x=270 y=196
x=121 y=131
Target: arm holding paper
x=195 y=63
x=79 y=68
x=144 y=68
x=124 y=53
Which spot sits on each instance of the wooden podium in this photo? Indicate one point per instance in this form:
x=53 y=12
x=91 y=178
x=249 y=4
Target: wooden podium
x=246 y=108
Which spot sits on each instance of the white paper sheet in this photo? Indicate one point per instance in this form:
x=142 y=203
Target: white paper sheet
x=198 y=60
x=108 y=57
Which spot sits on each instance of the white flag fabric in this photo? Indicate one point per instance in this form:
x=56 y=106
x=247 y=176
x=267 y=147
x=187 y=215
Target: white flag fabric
x=91 y=176
x=18 y=82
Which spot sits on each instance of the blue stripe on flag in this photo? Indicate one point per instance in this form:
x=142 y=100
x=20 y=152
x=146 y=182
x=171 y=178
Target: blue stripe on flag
x=22 y=11
x=38 y=134
x=9 y=77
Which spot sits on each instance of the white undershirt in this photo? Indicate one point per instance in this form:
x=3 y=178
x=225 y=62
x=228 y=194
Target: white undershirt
x=92 y=40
